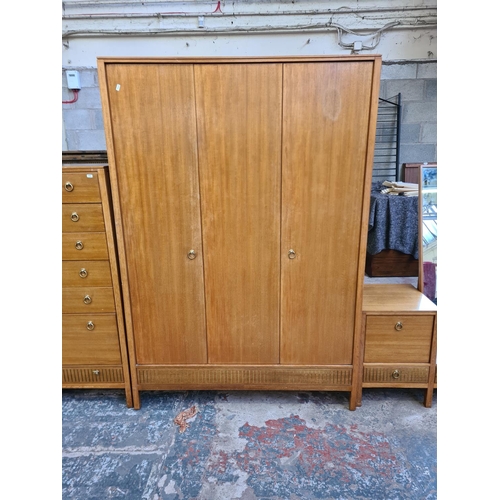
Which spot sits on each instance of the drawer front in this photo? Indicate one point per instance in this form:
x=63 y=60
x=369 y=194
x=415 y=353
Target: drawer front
x=82 y=217
x=84 y=246
x=90 y=339
x=80 y=188
x=398 y=339
x=86 y=273
x=394 y=375
x=95 y=376
x=88 y=300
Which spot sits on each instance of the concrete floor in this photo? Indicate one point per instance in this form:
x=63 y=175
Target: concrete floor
x=249 y=445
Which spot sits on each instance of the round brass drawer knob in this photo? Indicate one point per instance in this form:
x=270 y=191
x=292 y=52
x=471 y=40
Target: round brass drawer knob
x=398 y=326
x=191 y=255
x=90 y=325
x=83 y=273
x=68 y=186
x=396 y=374
x=79 y=245
x=96 y=372
x=75 y=217
x=87 y=299
x=291 y=254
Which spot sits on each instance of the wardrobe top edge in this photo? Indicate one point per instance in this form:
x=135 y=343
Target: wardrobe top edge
x=239 y=59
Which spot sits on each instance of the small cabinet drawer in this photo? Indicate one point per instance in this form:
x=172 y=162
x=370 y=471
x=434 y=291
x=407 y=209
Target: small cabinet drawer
x=92 y=376
x=84 y=246
x=82 y=217
x=398 y=339
x=80 y=188
x=86 y=273
x=88 y=299
x=90 y=339
x=394 y=375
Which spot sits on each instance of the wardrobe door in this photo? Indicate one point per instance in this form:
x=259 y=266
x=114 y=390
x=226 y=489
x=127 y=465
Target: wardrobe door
x=154 y=139
x=325 y=122
x=239 y=145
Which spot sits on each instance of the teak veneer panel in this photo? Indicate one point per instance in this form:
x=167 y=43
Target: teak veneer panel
x=98 y=346
x=90 y=217
x=95 y=246
x=410 y=375
x=154 y=135
x=98 y=273
x=81 y=377
x=241 y=160
x=412 y=344
x=241 y=230
x=85 y=187
x=227 y=377
x=323 y=181
x=103 y=299
x=394 y=298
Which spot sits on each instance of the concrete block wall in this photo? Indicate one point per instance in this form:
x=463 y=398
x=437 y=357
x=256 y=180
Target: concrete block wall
x=416 y=81
x=82 y=120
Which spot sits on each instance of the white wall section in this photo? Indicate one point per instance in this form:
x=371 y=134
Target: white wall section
x=399 y=30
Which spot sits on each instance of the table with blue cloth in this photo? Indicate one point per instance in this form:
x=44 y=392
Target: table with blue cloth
x=393 y=222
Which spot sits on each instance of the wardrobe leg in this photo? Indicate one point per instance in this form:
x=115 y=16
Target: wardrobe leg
x=428 y=397
x=137 y=400
x=353 y=401
x=129 y=398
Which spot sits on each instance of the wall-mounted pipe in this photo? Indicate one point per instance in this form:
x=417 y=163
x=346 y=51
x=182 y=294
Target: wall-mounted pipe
x=126 y=15
x=235 y=30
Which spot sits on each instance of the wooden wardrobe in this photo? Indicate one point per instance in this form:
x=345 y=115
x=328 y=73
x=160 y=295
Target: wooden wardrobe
x=241 y=194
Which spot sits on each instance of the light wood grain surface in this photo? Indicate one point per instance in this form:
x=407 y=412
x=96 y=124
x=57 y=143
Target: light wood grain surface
x=239 y=130
x=395 y=298
x=98 y=346
x=154 y=127
x=323 y=179
x=97 y=273
x=86 y=217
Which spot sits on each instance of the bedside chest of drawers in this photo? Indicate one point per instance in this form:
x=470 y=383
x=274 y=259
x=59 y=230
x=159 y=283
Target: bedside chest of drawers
x=400 y=339
x=94 y=352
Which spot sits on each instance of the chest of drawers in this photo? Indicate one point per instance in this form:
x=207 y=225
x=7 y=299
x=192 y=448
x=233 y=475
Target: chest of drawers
x=400 y=338
x=94 y=353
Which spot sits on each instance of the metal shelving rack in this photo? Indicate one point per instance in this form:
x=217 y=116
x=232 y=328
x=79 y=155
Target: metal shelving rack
x=387 y=140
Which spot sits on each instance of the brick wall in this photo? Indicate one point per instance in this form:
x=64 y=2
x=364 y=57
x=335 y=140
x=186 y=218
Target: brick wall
x=417 y=83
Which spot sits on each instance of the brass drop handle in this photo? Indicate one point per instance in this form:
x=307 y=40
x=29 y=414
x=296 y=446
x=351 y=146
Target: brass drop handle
x=291 y=254
x=398 y=326
x=396 y=374
x=96 y=372
x=83 y=273
x=191 y=255
x=87 y=299
x=79 y=245
x=69 y=187
x=90 y=326
x=75 y=217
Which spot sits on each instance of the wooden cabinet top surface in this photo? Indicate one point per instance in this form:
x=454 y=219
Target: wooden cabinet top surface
x=82 y=167
x=395 y=298
x=240 y=59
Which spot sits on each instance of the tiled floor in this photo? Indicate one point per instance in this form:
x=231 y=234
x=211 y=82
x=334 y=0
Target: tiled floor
x=249 y=445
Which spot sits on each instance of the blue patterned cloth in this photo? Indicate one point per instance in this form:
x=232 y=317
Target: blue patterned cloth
x=393 y=222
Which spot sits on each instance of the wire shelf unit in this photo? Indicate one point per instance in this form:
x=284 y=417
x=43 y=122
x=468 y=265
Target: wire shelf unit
x=387 y=140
